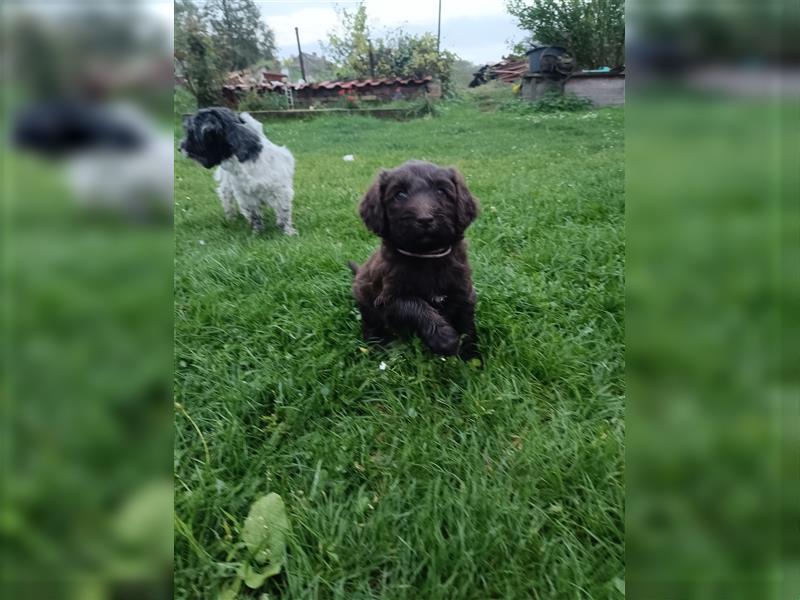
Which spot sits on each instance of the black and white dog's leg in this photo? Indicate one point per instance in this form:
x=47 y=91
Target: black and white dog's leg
x=228 y=200
x=283 y=213
x=253 y=216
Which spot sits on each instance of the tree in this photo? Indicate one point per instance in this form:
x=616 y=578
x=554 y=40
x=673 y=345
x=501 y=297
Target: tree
x=593 y=30
x=194 y=55
x=240 y=36
x=318 y=68
x=348 y=47
x=462 y=72
x=397 y=54
x=400 y=54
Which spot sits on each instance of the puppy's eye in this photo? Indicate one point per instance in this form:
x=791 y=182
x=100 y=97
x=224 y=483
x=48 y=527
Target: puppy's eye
x=441 y=192
x=401 y=196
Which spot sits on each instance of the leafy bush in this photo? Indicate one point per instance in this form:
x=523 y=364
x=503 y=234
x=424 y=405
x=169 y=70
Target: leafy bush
x=183 y=101
x=196 y=56
x=347 y=100
x=486 y=97
x=548 y=103
x=561 y=102
x=396 y=54
x=593 y=30
x=267 y=101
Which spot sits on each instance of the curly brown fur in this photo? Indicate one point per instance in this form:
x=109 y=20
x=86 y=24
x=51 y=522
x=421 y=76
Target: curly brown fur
x=422 y=209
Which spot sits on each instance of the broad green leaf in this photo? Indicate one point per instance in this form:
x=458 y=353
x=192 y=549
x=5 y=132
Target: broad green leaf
x=255 y=579
x=232 y=592
x=264 y=534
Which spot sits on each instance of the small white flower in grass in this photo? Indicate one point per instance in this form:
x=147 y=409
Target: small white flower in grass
x=348 y=158
x=382 y=366
x=201 y=242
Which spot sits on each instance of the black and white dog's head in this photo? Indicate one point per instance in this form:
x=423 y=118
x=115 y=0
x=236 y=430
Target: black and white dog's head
x=60 y=128
x=216 y=134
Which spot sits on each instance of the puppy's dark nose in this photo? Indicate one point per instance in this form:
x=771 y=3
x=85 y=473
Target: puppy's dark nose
x=425 y=221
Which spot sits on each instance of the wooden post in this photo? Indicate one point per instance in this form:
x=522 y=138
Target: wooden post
x=300 y=55
x=439 y=28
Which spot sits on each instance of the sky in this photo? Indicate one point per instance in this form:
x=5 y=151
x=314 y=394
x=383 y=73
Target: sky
x=480 y=31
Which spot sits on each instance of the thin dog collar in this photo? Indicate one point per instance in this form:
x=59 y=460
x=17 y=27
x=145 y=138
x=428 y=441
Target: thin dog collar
x=435 y=254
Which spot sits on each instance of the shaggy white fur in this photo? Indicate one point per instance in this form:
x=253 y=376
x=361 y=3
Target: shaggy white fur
x=135 y=183
x=245 y=187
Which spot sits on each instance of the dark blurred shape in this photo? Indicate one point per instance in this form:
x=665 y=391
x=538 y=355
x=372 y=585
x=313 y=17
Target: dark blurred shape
x=553 y=62
x=713 y=134
x=62 y=127
x=116 y=159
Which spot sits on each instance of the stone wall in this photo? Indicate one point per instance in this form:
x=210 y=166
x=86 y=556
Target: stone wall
x=603 y=89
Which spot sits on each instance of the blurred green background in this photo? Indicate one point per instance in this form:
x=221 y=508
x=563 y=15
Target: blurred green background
x=713 y=445
x=87 y=494
x=86 y=489
x=712 y=292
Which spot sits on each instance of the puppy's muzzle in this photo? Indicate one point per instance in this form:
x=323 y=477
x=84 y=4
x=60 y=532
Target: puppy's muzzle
x=425 y=222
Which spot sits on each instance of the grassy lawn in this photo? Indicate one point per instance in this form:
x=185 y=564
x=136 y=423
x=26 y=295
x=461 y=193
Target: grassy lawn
x=428 y=479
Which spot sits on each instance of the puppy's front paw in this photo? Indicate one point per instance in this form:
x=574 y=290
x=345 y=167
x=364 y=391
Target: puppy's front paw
x=289 y=230
x=470 y=354
x=444 y=340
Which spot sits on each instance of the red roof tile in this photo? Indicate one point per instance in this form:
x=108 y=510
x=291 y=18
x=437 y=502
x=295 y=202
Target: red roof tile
x=330 y=85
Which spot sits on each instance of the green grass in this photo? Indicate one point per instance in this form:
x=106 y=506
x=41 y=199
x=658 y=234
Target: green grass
x=429 y=479
x=87 y=438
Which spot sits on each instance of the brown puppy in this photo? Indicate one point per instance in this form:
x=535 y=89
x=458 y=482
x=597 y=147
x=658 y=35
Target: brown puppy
x=419 y=280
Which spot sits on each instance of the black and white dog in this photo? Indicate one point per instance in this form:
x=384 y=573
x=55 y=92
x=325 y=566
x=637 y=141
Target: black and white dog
x=115 y=157
x=252 y=171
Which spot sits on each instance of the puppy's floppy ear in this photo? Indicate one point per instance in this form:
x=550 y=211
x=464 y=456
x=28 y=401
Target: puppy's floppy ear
x=466 y=203
x=371 y=208
x=243 y=141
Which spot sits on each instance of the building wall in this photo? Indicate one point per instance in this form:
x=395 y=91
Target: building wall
x=601 y=89
x=323 y=96
x=534 y=88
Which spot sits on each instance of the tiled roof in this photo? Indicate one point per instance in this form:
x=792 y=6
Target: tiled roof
x=330 y=85
x=509 y=70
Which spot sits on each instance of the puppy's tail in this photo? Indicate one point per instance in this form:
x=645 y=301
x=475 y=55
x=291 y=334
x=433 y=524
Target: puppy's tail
x=353 y=266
